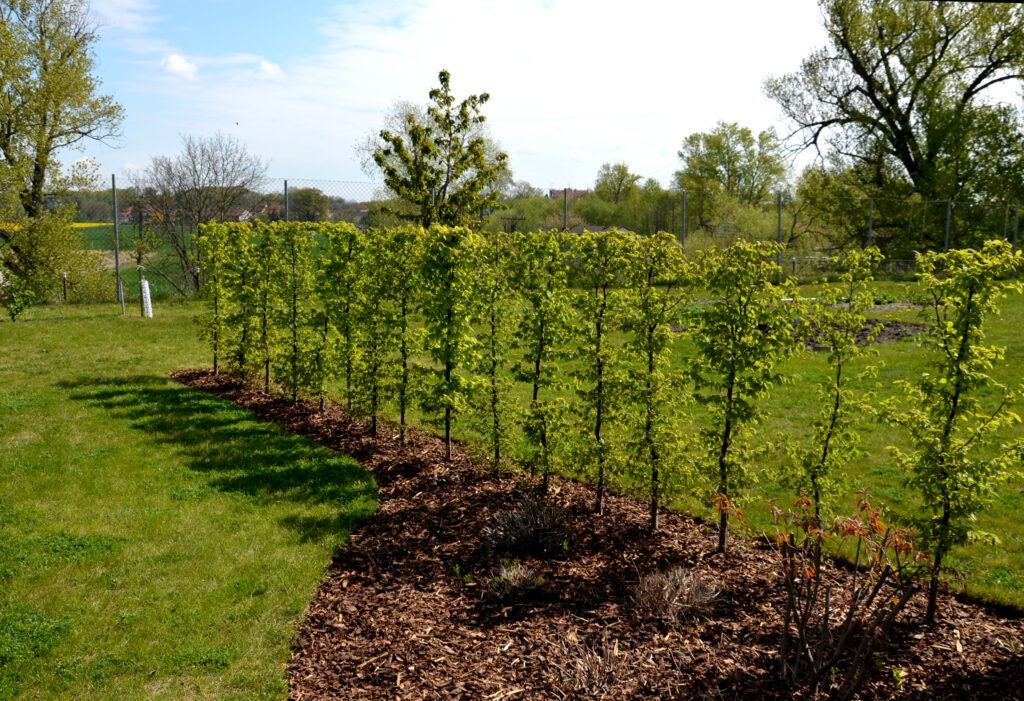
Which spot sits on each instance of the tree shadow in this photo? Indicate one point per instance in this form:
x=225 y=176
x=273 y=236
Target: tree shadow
x=236 y=452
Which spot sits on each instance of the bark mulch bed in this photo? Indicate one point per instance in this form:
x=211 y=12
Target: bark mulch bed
x=407 y=613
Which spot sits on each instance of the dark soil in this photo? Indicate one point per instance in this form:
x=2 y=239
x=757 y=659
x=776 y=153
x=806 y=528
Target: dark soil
x=890 y=332
x=407 y=613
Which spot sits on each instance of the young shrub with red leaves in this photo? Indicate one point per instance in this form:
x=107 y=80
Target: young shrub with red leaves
x=831 y=630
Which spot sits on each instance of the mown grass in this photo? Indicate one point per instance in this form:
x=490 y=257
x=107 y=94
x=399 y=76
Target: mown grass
x=155 y=542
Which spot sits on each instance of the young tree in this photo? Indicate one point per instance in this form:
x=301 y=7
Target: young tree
x=266 y=292
x=600 y=280
x=739 y=339
x=344 y=270
x=439 y=163
x=448 y=280
x=656 y=278
x=952 y=462
x=493 y=259
x=835 y=327
x=377 y=319
x=295 y=287
x=541 y=276
x=402 y=269
x=240 y=275
x=215 y=249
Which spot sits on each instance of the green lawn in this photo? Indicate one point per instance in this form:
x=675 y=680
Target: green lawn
x=154 y=541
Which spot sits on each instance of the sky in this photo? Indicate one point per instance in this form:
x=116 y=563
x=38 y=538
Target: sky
x=572 y=83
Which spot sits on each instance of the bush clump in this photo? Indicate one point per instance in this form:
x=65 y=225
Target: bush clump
x=536 y=527
x=513 y=580
x=669 y=597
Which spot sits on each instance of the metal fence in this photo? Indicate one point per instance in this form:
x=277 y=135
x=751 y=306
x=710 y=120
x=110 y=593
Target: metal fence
x=810 y=230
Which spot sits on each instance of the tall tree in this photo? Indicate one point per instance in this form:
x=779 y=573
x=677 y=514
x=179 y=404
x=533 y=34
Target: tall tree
x=49 y=99
x=730 y=160
x=205 y=182
x=910 y=83
x=615 y=183
x=439 y=163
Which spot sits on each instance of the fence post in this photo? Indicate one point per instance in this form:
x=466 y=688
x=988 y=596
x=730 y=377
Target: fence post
x=286 y=200
x=682 y=238
x=1016 y=230
x=949 y=216
x=565 y=209
x=117 y=245
x=871 y=221
x=778 y=239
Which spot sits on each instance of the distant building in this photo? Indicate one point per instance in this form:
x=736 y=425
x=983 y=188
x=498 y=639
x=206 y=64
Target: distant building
x=130 y=215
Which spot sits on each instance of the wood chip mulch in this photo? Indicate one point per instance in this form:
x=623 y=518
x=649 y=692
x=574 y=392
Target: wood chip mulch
x=407 y=613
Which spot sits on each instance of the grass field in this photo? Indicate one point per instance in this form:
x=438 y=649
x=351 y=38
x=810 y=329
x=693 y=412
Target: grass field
x=154 y=542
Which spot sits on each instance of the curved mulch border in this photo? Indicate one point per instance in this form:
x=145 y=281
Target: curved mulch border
x=406 y=612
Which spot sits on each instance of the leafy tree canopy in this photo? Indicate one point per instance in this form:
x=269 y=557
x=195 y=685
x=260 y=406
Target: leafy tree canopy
x=439 y=161
x=911 y=84
x=729 y=159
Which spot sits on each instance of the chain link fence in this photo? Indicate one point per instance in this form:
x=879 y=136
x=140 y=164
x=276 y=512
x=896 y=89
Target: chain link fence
x=155 y=233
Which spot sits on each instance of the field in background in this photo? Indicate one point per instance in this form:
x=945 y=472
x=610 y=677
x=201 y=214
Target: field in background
x=154 y=541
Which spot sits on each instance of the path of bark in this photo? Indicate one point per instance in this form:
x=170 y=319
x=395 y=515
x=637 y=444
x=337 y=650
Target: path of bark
x=406 y=612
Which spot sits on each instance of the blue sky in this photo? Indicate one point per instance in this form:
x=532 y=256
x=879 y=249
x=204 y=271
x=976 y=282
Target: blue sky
x=573 y=83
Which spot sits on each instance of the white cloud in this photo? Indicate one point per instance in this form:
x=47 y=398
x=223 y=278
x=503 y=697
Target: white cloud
x=179 y=66
x=268 y=70
x=128 y=15
x=566 y=77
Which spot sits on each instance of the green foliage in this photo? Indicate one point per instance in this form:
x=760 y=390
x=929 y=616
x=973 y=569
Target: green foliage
x=739 y=339
x=657 y=282
x=448 y=305
x=835 y=327
x=493 y=406
x=906 y=89
x=377 y=317
x=343 y=277
x=308 y=204
x=728 y=160
x=439 y=165
x=240 y=281
x=953 y=463
x=16 y=296
x=214 y=251
x=541 y=276
x=615 y=183
x=599 y=377
x=265 y=288
x=40 y=249
x=401 y=270
x=295 y=288
x=50 y=99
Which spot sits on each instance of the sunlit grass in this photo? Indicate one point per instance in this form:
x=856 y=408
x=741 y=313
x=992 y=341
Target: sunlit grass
x=154 y=541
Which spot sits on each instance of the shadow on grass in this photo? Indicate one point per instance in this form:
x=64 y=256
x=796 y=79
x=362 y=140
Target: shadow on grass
x=236 y=452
